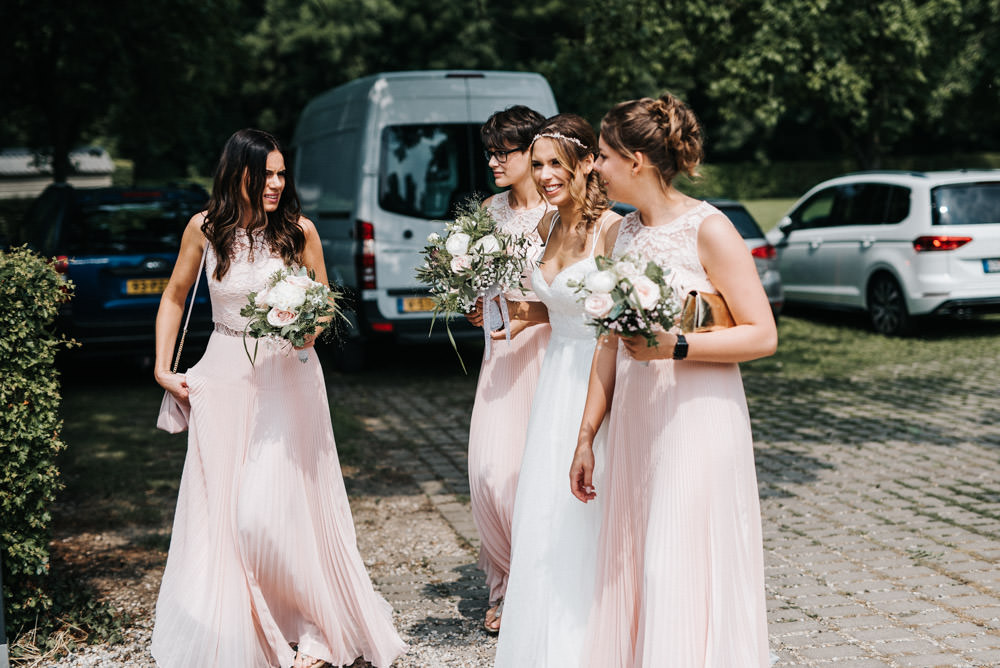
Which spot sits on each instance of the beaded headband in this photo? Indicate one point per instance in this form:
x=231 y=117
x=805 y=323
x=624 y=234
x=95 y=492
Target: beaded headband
x=556 y=135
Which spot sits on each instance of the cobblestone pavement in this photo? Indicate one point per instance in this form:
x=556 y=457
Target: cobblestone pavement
x=880 y=501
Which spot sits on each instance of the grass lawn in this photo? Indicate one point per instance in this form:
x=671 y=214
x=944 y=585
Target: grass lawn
x=768 y=211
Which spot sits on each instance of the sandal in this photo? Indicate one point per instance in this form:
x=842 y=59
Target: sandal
x=306 y=661
x=492 y=623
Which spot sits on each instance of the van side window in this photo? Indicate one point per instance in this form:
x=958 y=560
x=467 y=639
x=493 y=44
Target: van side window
x=329 y=177
x=426 y=170
x=872 y=204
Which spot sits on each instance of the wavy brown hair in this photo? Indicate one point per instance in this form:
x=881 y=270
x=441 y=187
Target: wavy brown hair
x=244 y=164
x=665 y=130
x=590 y=197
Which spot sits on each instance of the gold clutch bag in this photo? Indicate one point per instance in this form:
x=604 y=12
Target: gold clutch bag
x=704 y=312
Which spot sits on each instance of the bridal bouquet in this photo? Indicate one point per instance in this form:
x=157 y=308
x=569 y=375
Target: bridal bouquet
x=472 y=260
x=624 y=297
x=288 y=309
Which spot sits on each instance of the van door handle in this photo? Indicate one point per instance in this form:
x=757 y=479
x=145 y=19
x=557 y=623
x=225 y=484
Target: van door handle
x=867 y=242
x=815 y=243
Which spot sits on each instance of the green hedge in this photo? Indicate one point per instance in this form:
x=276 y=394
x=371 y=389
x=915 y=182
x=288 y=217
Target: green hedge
x=30 y=294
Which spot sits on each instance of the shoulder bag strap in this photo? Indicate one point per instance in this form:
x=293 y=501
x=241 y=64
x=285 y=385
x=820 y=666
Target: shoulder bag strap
x=187 y=318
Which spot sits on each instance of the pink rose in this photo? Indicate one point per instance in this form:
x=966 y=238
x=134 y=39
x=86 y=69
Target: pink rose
x=647 y=291
x=461 y=263
x=598 y=305
x=278 y=318
x=303 y=282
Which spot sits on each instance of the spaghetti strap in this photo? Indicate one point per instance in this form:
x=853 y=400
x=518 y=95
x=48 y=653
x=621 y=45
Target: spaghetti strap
x=552 y=226
x=593 y=246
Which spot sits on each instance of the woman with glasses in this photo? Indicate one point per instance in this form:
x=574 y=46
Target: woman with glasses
x=507 y=379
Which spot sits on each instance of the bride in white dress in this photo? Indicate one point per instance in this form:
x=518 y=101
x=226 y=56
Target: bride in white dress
x=554 y=538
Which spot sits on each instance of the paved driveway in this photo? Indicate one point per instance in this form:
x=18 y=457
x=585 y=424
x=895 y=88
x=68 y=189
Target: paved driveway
x=880 y=500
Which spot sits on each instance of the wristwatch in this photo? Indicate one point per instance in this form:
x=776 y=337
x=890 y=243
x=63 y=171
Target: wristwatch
x=680 y=348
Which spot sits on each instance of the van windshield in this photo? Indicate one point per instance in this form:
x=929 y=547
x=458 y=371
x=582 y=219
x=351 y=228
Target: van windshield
x=966 y=204
x=426 y=170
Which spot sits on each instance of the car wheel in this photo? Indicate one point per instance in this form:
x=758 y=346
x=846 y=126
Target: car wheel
x=887 y=306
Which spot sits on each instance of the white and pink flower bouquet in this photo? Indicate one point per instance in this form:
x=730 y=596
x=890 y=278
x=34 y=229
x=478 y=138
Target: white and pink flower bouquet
x=629 y=297
x=472 y=260
x=288 y=309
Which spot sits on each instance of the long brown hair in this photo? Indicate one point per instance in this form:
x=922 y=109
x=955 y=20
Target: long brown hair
x=563 y=129
x=665 y=130
x=244 y=164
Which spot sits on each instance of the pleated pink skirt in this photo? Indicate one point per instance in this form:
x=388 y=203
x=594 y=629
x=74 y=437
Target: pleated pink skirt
x=680 y=559
x=496 y=443
x=263 y=553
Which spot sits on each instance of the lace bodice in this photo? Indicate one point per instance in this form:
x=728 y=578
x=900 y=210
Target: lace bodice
x=522 y=223
x=673 y=246
x=245 y=275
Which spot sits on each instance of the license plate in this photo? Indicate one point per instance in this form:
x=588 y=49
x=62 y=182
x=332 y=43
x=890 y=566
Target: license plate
x=145 y=286
x=992 y=265
x=415 y=304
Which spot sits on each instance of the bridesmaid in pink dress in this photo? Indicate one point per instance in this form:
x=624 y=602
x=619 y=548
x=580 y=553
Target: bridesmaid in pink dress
x=507 y=379
x=680 y=558
x=263 y=568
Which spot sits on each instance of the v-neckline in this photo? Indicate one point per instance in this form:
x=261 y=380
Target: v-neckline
x=561 y=271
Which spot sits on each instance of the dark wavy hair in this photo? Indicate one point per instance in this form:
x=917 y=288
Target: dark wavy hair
x=514 y=126
x=591 y=198
x=244 y=164
x=664 y=129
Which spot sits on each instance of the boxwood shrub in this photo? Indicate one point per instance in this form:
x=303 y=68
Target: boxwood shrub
x=30 y=294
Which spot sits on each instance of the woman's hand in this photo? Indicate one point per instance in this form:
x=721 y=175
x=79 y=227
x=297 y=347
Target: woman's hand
x=639 y=349
x=515 y=328
x=174 y=383
x=581 y=472
x=475 y=316
x=310 y=341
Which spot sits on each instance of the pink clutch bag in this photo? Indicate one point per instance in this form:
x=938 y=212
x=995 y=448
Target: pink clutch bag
x=174 y=415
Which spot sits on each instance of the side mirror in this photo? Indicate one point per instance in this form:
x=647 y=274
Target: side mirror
x=786 y=225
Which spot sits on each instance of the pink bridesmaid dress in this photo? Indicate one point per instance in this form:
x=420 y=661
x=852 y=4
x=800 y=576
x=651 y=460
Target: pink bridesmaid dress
x=500 y=414
x=680 y=558
x=263 y=553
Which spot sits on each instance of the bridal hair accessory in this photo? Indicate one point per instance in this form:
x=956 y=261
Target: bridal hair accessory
x=557 y=135
x=174 y=415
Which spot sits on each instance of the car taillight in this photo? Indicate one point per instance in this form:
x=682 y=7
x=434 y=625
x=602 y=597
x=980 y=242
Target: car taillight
x=365 y=259
x=384 y=327
x=939 y=243
x=61 y=264
x=765 y=252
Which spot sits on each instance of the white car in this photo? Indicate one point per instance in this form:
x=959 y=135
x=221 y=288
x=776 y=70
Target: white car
x=895 y=244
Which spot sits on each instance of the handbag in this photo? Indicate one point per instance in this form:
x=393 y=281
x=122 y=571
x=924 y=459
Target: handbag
x=174 y=415
x=704 y=312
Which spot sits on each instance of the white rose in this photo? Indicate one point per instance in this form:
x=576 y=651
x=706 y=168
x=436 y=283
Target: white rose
x=461 y=263
x=279 y=318
x=647 y=291
x=487 y=245
x=261 y=298
x=598 y=304
x=457 y=243
x=627 y=269
x=286 y=297
x=433 y=237
x=600 y=282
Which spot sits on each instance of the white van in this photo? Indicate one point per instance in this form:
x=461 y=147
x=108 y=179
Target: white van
x=379 y=162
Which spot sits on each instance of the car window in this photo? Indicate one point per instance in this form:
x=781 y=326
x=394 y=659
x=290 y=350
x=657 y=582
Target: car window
x=128 y=227
x=817 y=211
x=743 y=221
x=427 y=169
x=871 y=204
x=966 y=204
x=326 y=173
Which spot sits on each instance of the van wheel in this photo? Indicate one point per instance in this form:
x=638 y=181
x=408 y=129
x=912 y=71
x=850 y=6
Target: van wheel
x=349 y=355
x=887 y=306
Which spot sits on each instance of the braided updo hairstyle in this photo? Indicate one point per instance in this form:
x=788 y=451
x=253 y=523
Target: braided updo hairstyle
x=665 y=130
x=589 y=196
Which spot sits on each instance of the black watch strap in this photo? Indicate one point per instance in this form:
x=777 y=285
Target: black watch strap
x=680 y=348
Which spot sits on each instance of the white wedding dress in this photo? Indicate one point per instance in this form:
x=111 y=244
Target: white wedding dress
x=554 y=536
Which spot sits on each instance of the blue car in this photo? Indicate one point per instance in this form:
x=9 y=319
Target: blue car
x=117 y=246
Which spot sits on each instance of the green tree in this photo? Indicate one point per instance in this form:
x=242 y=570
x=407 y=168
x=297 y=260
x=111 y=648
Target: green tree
x=860 y=70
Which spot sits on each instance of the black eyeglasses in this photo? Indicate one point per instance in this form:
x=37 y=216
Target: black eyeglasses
x=501 y=156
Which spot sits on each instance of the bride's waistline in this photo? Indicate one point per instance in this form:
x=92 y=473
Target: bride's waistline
x=219 y=328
